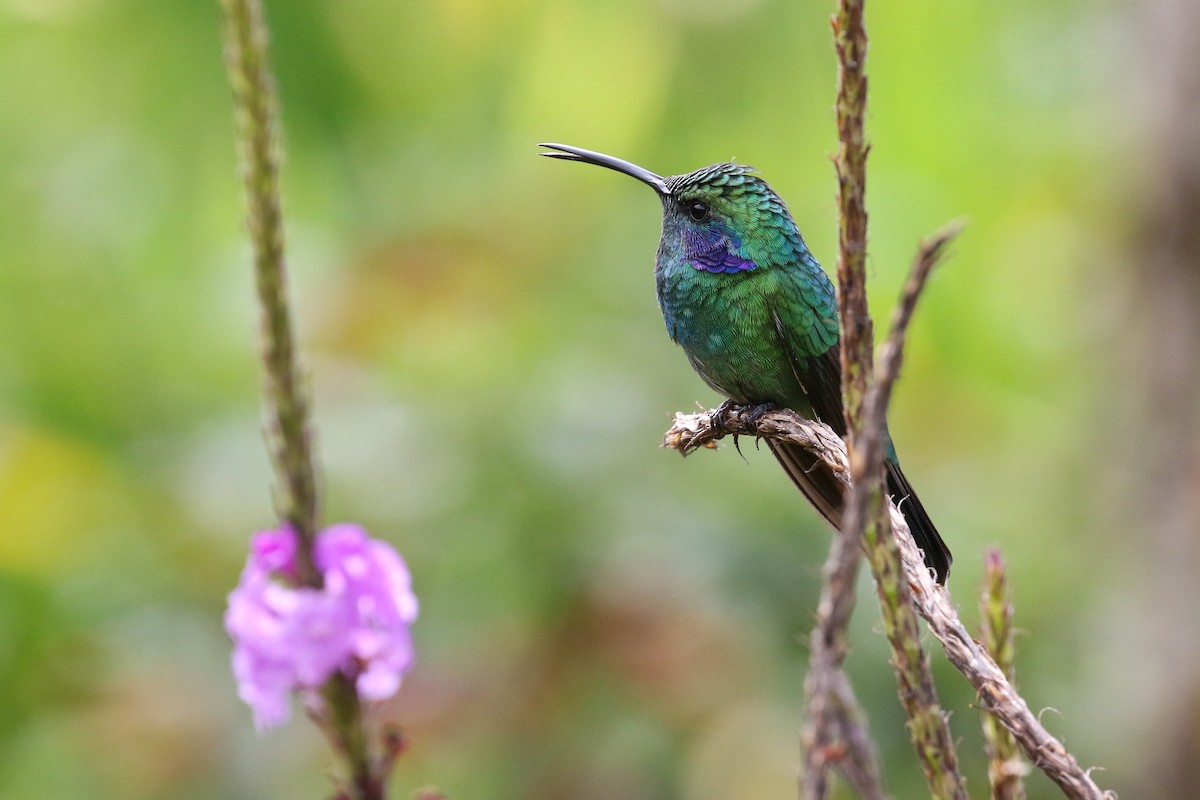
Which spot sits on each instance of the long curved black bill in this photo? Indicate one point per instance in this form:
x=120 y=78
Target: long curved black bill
x=569 y=153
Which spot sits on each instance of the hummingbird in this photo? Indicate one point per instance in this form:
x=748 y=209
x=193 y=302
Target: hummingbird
x=757 y=317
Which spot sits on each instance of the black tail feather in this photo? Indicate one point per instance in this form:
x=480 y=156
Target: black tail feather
x=825 y=492
x=812 y=477
x=937 y=554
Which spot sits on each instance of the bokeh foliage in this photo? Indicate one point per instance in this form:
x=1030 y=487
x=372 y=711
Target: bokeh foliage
x=491 y=377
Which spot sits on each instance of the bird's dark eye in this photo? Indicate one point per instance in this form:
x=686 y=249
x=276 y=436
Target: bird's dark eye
x=696 y=210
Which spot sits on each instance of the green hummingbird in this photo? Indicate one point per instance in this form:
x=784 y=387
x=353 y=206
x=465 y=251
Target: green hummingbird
x=756 y=315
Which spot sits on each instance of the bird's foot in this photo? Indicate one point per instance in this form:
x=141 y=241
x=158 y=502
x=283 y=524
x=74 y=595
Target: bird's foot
x=720 y=414
x=756 y=413
x=751 y=416
x=720 y=419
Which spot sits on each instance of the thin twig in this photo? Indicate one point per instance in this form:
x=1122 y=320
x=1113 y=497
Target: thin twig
x=835 y=724
x=1006 y=768
x=933 y=602
x=929 y=255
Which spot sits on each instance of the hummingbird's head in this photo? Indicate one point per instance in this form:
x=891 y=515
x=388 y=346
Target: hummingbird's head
x=719 y=218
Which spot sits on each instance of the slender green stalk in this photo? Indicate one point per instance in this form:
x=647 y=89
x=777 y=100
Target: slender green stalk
x=850 y=41
x=347 y=730
x=927 y=724
x=1005 y=765
x=287 y=431
x=287 y=426
x=865 y=399
x=928 y=727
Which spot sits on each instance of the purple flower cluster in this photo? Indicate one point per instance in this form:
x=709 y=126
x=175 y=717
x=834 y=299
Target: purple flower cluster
x=289 y=638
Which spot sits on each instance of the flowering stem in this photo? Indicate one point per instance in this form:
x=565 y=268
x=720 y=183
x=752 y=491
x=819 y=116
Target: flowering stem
x=348 y=733
x=865 y=394
x=287 y=427
x=1005 y=766
x=927 y=721
x=850 y=162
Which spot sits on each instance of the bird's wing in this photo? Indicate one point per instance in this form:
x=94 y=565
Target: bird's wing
x=819 y=376
x=804 y=312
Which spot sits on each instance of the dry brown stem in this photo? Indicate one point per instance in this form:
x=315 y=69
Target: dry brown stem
x=834 y=732
x=995 y=693
x=864 y=517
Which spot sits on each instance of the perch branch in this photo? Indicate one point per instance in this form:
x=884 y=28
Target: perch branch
x=933 y=602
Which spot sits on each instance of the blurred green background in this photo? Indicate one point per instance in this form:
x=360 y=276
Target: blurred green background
x=491 y=377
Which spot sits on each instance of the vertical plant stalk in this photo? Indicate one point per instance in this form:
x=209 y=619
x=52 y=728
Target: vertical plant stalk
x=287 y=431
x=835 y=725
x=865 y=396
x=1005 y=765
x=850 y=163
